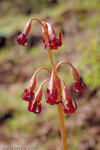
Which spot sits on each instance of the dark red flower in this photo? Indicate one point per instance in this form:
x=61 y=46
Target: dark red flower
x=79 y=86
x=27 y=95
x=51 y=98
x=34 y=107
x=70 y=107
x=29 y=106
x=22 y=39
x=54 y=43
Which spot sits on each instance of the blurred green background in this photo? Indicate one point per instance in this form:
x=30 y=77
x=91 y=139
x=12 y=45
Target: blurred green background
x=79 y=23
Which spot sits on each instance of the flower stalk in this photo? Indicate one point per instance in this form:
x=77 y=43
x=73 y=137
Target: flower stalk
x=48 y=48
x=53 y=94
x=59 y=107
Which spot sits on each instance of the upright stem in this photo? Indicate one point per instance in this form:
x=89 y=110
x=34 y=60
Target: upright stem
x=60 y=112
x=49 y=53
x=62 y=126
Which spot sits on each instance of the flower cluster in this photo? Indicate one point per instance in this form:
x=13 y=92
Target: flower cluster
x=53 y=42
x=55 y=93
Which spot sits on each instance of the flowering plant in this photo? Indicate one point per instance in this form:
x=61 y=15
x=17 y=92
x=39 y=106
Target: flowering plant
x=54 y=94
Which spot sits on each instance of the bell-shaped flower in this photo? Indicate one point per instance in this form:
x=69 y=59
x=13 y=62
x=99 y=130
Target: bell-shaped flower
x=79 y=84
x=53 y=42
x=69 y=106
x=68 y=101
x=28 y=95
x=51 y=97
x=22 y=38
x=51 y=92
x=34 y=107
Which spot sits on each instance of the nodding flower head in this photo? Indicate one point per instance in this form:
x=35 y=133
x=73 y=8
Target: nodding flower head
x=34 y=107
x=22 y=39
x=53 y=42
x=67 y=98
x=28 y=95
x=47 y=31
x=51 y=92
x=51 y=97
x=79 y=86
x=69 y=107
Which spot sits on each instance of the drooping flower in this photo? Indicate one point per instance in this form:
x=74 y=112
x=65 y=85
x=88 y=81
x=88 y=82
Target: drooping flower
x=51 y=92
x=51 y=97
x=34 y=107
x=68 y=101
x=53 y=42
x=79 y=84
x=70 y=108
x=28 y=95
x=22 y=39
